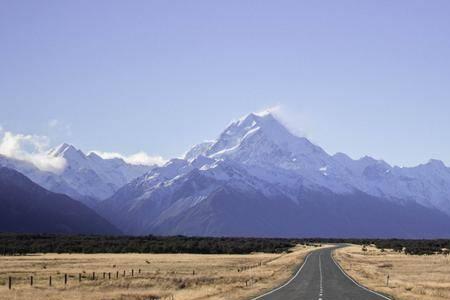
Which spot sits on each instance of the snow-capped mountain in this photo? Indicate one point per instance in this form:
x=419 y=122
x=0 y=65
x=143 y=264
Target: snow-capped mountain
x=87 y=178
x=269 y=151
x=258 y=178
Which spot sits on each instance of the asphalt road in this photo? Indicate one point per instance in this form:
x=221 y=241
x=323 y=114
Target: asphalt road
x=320 y=278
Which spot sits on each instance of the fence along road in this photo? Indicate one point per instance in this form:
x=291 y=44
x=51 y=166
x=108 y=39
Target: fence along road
x=321 y=278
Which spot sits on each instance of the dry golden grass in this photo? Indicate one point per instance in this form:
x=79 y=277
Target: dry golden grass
x=163 y=276
x=411 y=277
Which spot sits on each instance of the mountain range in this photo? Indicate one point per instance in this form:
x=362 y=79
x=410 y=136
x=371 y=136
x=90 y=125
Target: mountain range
x=87 y=178
x=257 y=179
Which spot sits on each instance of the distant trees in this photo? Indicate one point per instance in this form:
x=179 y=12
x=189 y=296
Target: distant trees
x=415 y=247
x=20 y=244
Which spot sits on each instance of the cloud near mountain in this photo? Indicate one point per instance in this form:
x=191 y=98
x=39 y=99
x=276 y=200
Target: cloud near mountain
x=139 y=158
x=30 y=148
x=35 y=149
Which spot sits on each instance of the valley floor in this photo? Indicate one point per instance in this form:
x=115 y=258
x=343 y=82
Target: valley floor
x=411 y=277
x=161 y=276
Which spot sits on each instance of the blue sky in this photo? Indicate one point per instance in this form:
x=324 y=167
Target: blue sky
x=360 y=77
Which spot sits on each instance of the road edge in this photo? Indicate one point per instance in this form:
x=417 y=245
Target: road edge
x=388 y=297
x=289 y=280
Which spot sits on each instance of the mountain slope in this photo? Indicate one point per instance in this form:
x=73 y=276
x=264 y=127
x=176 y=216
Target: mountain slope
x=228 y=212
x=27 y=207
x=198 y=204
x=258 y=178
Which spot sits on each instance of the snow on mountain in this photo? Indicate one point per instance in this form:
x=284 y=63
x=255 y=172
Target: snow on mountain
x=428 y=184
x=94 y=176
x=87 y=178
x=271 y=152
x=256 y=157
x=262 y=135
x=198 y=150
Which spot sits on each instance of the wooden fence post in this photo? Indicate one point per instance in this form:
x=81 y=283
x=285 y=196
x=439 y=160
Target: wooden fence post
x=139 y=271
x=50 y=280
x=65 y=279
x=93 y=275
x=109 y=275
x=104 y=275
x=9 y=282
x=132 y=272
x=31 y=280
x=117 y=274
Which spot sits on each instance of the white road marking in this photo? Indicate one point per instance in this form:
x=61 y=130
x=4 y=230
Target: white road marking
x=357 y=284
x=321 y=277
x=290 y=280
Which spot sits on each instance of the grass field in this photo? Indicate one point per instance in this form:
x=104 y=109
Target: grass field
x=162 y=276
x=411 y=277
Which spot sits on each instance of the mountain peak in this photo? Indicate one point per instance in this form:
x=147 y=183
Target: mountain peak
x=259 y=119
x=67 y=151
x=257 y=116
x=243 y=128
x=257 y=136
x=436 y=163
x=95 y=156
x=61 y=149
x=253 y=121
x=342 y=157
x=238 y=131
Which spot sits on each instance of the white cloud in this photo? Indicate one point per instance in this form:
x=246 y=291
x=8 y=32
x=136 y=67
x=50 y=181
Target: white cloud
x=297 y=121
x=140 y=158
x=35 y=148
x=274 y=110
x=31 y=148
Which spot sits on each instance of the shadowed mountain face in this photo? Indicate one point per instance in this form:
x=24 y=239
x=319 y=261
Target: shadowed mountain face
x=232 y=211
x=258 y=179
x=27 y=207
x=229 y=213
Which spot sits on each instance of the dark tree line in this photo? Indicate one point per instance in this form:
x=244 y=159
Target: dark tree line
x=415 y=247
x=20 y=244
x=407 y=246
x=17 y=244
